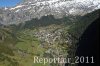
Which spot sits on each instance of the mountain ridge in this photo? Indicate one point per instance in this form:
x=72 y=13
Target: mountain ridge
x=28 y=9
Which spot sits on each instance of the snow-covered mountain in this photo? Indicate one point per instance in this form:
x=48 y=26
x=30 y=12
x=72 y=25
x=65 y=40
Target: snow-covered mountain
x=29 y=9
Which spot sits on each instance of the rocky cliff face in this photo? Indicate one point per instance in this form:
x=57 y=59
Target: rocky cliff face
x=28 y=9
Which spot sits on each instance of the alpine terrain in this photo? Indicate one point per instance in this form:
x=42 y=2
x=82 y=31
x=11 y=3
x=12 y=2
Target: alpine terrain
x=44 y=28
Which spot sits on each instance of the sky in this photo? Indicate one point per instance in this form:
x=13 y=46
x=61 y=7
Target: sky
x=8 y=3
